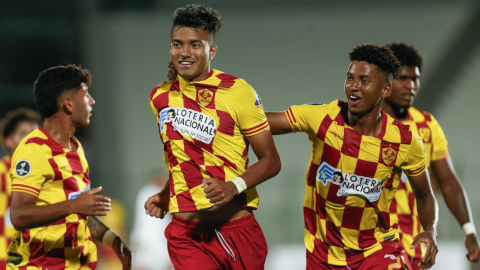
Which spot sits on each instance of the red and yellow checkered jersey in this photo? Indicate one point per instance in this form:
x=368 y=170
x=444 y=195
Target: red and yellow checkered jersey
x=45 y=169
x=6 y=228
x=203 y=126
x=403 y=208
x=351 y=181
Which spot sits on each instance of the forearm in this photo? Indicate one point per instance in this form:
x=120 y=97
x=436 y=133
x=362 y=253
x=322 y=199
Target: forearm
x=33 y=216
x=265 y=168
x=427 y=209
x=457 y=201
x=452 y=190
x=97 y=228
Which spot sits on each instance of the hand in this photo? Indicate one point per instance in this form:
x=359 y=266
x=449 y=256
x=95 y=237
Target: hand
x=157 y=205
x=428 y=237
x=89 y=204
x=472 y=246
x=123 y=253
x=172 y=73
x=219 y=192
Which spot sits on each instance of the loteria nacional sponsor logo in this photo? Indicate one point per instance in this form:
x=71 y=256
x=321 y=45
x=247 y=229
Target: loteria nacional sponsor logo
x=191 y=123
x=350 y=184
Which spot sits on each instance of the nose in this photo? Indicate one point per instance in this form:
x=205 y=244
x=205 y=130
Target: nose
x=412 y=84
x=355 y=85
x=92 y=101
x=186 y=52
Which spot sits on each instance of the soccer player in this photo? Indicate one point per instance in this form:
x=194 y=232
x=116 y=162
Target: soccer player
x=13 y=128
x=399 y=106
x=52 y=207
x=347 y=225
x=211 y=190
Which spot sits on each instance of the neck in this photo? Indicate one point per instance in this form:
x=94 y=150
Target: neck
x=367 y=123
x=61 y=129
x=395 y=111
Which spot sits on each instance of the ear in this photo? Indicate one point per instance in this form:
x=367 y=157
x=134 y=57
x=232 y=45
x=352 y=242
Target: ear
x=68 y=104
x=387 y=90
x=213 y=51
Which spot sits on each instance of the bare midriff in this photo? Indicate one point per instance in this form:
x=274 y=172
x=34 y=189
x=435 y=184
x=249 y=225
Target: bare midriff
x=216 y=214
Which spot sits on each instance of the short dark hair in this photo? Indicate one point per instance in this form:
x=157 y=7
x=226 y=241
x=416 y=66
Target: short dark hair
x=9 y=124
x=406 y=54
x=377 y=55
x=53 y=82
x=337 y=173
x=195 y=16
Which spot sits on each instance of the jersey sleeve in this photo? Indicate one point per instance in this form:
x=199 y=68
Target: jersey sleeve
x=303 y=118
x=30 y=169
x=248 y=111
x=416 y=160
x=439 y=141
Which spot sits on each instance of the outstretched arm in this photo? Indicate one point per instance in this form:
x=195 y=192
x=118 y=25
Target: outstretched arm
x=278 y=123
x=102 y=233
x=25 y=214
x=428 y=213
x=457 y=201
x=267 y=166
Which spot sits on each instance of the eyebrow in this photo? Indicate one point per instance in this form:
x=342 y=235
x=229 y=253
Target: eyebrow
x=191 y=41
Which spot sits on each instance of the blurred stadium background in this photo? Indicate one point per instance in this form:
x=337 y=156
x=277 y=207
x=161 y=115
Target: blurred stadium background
x=290 y=52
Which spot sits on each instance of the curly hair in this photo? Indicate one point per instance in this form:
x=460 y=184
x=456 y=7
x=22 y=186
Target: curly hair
x=195 y=16
x=53 y=82
x=9 y=124
x=378 y=55
x=406 y=54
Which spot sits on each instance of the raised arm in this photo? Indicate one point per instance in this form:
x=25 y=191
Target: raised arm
x=25 y=214
x=267 y=166
x=102 y=233
x=457 y=201
x=428 y=213
x=278 y=123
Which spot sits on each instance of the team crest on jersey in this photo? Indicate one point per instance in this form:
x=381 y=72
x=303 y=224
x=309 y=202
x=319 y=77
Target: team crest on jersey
x=350 y=184
x=191 y=123
x=258 y=102
x=388 y=155
x=205 y=97
x=23 y=168
x=424 y=132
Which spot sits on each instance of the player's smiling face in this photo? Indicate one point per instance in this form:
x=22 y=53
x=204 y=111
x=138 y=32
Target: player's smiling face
x=404 y=89
x=83 y=107
x=191 y=53
x=365 y=87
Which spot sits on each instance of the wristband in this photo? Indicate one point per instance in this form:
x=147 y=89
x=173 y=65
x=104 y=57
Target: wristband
x=108 y=237
x=240 y=183
x=469 y=228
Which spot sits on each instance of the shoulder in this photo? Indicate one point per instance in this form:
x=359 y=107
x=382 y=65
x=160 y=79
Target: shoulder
x=31 y=146
x=396 y=132
x=332 y=109
x=164 y=87
x=420 y=116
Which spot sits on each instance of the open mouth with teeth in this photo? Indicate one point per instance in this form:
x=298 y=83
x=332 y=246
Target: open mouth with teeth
x=185 y=63
x=353 y=98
